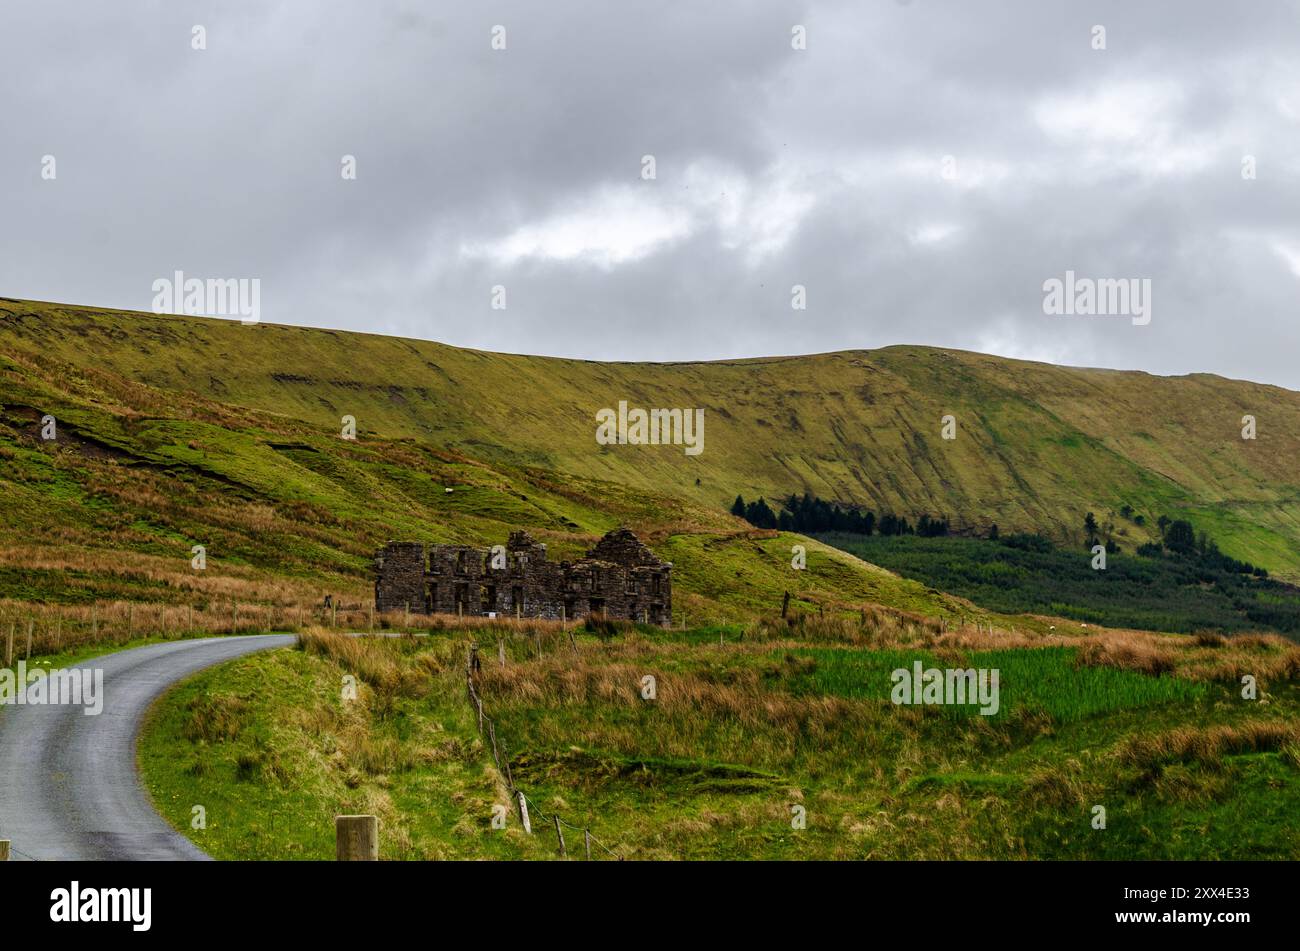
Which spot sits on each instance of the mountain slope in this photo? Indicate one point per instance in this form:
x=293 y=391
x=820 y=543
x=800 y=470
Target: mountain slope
x=110 y=510
x=1037 y=445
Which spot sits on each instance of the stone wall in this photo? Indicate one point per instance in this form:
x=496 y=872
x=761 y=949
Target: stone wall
x=620 y=578
x=400 y=570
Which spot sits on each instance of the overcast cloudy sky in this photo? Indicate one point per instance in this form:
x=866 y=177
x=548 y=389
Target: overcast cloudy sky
x=823 y=167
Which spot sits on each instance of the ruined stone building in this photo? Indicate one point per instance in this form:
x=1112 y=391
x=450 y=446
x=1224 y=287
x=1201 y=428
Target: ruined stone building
x=618 y=578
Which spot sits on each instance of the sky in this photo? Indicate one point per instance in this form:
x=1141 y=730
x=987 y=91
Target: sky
x=920 y=169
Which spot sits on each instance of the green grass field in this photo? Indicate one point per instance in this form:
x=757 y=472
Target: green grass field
x=737 y=736
x=1043 y=680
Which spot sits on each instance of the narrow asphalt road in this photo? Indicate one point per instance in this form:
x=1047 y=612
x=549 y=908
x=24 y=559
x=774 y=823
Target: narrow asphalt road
x=68 y=782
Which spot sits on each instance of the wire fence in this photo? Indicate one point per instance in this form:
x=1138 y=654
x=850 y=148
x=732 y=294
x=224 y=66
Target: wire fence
x=528 y=809
x=14 y=850
x=30 y=629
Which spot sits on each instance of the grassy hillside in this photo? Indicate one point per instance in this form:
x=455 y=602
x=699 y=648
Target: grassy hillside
x=99 y=523
x=1037 y=445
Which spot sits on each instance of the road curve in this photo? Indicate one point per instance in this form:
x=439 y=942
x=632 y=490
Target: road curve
x=69 y=788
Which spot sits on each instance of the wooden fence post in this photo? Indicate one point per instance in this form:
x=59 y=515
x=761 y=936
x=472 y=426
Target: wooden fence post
x=356 y=838
x=586 y=838
x=492 y=733
x=523 y=814
x=9 y=648
x=334 y=614
x=4 y=850
x=130 y=621
x=58 y=633
x=501 y=651
x=560 y=834
x=94 y=622
x=30 y=622
x=372 y=617
x=234 y=617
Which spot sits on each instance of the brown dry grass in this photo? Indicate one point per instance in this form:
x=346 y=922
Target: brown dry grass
x=589 y=679
x=1127 y=653
x=231 y=582
x=223 y=610
x=1207 y=745
x=62 y=627
x=1210 y=658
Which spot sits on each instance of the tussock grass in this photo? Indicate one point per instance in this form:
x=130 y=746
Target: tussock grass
x=1127 y=655
x=1268 y=657
x=742 y=701
x=216 y=718
x=1208 y=745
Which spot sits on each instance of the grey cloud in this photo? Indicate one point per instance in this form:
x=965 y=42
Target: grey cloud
x=775 y=167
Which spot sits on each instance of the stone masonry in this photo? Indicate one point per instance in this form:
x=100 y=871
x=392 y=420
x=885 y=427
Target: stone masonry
x=618 y=578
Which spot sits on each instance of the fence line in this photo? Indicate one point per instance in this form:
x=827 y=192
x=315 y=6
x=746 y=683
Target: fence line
x=27 y=855
x=56 y=627
x=517 y=794
x=30 y=628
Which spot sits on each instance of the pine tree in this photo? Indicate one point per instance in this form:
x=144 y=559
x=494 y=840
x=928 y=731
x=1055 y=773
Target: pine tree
x=1181 y=538
x=760 y=515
